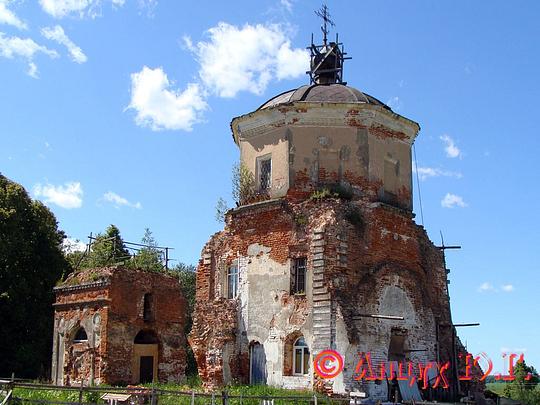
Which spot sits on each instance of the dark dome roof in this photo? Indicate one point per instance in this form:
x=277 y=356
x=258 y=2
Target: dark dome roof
x=330 y=93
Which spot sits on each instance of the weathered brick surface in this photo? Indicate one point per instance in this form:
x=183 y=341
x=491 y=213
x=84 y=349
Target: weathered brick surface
x=117 y=296
x=365 y=254
x=366 y=247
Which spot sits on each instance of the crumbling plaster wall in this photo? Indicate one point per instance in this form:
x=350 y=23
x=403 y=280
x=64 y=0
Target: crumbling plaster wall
x=376 y=260
x=391 y=268
x=77 y=307
x=323 y=143
x=265 y=311
x=275 y=144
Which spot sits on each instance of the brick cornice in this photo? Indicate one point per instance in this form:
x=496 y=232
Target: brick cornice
x=82 y=286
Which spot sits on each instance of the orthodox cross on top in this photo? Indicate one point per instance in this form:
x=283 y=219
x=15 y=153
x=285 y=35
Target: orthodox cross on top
x=326 y=66
x=325 y=15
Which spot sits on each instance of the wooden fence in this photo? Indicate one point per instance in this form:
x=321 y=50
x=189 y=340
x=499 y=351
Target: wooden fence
x=19 y=392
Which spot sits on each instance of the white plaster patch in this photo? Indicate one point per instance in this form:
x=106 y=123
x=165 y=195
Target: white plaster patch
x=255 y=249
x=395 y=302
x=396 y=236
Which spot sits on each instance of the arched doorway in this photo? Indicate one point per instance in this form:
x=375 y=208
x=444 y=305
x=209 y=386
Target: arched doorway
x=77 y=358
x=257 y=365
x=145 y=357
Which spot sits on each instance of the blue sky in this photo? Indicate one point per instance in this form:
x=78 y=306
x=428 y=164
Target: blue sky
x=118 y=112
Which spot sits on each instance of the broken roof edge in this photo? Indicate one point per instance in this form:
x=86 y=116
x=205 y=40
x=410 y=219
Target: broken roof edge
x=94 y=277
x=387 y=112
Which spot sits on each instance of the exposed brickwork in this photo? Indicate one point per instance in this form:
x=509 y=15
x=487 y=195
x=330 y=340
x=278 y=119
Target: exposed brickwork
x=367 y=247
x=303 y=186
x=108 y=304
x=215 y=327
x=364 y=254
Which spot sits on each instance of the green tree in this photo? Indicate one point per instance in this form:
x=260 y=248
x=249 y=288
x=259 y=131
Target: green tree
x=186 y=276
x=148 y=257
x=107 y=249
x=31 y=262
x=524 y=387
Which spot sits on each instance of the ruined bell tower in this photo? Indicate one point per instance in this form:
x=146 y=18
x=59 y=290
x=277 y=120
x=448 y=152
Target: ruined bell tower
x=323 y=234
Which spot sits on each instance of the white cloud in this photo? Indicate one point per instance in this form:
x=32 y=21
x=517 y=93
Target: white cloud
x=233 y=59
x=67 y=196
x=32 y=70
x=452 y=151
x=62 y=8
x=507 y=287
x=485 y=287
x=394 y=103
x=146 y=6
x=159 y=106
x=488 y=287
x=119 y=201
x=246 y=59
x=451 y=200
x=86 y=8
x=25 y=48
x=291 y=63
x=8 y=17
x=287 y=4
x=57 y=34
x=428 y=172
x=70 y=245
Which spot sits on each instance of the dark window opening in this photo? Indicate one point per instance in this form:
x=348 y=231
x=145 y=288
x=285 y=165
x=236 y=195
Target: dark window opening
x=396 y=349
x=146 y=337
x=148 y=314
x=298 y=276
x=232 y=282
x=265 y=174
x=80 y=336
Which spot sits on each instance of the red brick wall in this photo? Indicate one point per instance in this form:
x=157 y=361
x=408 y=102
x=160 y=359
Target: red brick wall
x=119 y=304
x=383 y=243
x=125 y=321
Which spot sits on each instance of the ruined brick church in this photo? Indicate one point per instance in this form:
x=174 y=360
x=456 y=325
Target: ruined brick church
x=323 y=252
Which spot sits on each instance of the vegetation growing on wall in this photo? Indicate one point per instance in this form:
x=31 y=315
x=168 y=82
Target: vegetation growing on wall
x=243 y=184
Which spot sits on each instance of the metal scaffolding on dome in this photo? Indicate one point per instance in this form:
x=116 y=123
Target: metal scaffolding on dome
x=326 y=64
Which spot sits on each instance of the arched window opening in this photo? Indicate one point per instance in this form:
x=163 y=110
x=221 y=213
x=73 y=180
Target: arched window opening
x=300 y=357
x=232 y=281
x=80 y=336
x=148 y=313
x=146 y=337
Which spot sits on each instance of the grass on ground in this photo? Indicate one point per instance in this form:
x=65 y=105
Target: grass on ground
x=43 y=396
